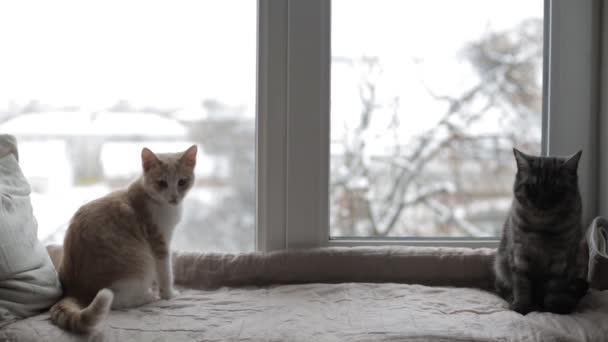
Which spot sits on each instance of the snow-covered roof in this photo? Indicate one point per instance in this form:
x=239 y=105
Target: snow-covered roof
x=108 y=124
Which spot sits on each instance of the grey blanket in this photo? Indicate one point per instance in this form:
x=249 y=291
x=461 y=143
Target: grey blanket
x=333 y=312
x=330 y=306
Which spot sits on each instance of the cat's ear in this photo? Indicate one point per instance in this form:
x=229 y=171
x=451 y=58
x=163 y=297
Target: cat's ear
x=522 y=160
x=572 y=162
x=148 y=159
x=189 y=157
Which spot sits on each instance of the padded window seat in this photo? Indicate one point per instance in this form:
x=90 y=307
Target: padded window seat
x=334 y=294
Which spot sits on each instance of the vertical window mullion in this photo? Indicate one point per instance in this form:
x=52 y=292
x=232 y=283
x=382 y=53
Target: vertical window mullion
x=271 y=133
x=603 y=118
x=572 y=94
x=308 y=122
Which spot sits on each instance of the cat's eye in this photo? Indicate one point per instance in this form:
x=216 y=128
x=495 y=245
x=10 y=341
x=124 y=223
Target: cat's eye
x=182 y=182
x=162 y=184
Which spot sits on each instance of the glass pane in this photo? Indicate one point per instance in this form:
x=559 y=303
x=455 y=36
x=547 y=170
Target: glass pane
x=85 y=85
x=428 y=99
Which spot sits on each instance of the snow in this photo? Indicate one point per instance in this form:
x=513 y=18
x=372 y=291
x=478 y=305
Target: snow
x=92 y=124
x=419 y=45
x=53 y=210
x=197 y=54
x=122 y=159
x=45 y=165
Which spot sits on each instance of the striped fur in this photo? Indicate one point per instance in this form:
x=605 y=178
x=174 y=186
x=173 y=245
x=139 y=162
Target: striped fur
x=541 y=260
x=70 y=315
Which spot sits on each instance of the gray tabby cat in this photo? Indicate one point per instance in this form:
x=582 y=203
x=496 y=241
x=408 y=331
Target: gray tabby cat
x=541 y=262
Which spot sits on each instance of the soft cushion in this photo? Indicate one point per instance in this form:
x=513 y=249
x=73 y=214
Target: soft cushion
x=333 y=312
x=598 y=253
x=28 y=280
x=207 y=310
x=434 y=266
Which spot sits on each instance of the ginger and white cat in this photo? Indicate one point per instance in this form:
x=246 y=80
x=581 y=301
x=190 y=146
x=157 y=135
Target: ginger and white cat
x=118 y=245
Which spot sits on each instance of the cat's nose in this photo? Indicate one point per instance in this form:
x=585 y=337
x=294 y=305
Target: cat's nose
x=173 y=200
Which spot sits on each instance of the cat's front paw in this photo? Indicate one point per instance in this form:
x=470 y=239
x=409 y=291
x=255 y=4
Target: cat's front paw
x=520 y=307
x=168 y=293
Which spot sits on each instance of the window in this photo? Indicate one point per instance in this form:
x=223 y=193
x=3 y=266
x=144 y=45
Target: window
x=85 y=85
x=302 y=43
x=426 y=106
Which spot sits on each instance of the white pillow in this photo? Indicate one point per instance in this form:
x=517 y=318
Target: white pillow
x=597 y=239
x=28 y=280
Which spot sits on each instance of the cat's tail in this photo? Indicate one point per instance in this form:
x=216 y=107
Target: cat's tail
x=70 y=315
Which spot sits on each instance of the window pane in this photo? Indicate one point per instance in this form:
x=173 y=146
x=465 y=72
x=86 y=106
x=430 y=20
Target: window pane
x=85 y=85
x=428 y=99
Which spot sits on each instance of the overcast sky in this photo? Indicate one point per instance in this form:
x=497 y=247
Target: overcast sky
x=419 y=43
x=94 y=53
x=174 y=53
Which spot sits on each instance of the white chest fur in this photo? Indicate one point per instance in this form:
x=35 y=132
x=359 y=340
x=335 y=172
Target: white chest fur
x=165 y=217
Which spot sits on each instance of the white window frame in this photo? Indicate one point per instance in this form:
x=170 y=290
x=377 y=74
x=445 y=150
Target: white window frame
x=293 y=125
x=602 y=195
